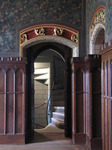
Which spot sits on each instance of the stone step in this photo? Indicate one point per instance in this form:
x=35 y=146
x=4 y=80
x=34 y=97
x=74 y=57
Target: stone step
x=58 y=116
x=60 y=81
x=58 y=92
x=59 y=109
x=58 y=86
x=58 y=103
x=57 y=97
x=58 y=123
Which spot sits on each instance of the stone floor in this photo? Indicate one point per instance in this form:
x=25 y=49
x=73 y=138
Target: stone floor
x=50 y=138
x=44 y=146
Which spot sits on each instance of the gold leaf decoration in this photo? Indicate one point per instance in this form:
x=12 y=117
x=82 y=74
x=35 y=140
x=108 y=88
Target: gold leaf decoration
x=74 y=38
x=23 y=38
x=99 y=18
x=58 y=31
x=40 y=31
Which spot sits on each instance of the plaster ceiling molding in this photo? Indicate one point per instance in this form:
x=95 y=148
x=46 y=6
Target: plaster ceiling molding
x=97 y=23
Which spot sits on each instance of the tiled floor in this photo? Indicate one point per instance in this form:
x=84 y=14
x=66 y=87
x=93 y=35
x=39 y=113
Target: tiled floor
x=48 y=139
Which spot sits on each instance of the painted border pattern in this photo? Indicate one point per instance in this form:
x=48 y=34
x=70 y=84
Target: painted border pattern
x=49 y=30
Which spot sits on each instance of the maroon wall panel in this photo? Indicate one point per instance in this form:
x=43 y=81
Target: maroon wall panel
x=12 y=100
x=19 y=99
x=106 y=98
x=9 y=113
x=18 y=106
x=9 y=101
x=96 y=101
x=86 y=101
x=2 y=96
x=79 y=102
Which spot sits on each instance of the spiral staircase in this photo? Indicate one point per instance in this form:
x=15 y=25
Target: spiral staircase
x=57 y=97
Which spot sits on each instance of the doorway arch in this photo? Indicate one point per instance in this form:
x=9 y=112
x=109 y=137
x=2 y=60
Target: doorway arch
x=45 y=33
x=99 y=41
x=65 y=53
x=64 y=41
x=97 y=27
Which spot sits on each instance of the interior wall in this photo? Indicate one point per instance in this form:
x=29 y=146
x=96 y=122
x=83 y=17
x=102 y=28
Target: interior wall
x=108 y=35
x=106 y=98
x=100 y=40
x=17 y=15
x=41 y=95
x=91 y=6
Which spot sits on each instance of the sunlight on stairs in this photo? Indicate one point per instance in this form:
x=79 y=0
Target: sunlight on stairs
x=51 y=128
x=58 y=117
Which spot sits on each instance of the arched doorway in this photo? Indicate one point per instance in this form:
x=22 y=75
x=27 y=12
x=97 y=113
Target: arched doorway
x=49 y=95
x=99 y=40
x=97 y=31
x=35 y=40
x=65 y=53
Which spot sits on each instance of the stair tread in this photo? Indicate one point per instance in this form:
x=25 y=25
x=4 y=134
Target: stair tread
x=59 y=121
x=58 y=97
x=57 y=103
x=59 y=107
x=59 y=113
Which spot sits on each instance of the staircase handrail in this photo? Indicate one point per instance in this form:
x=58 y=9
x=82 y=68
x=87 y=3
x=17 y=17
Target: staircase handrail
x=45 y=102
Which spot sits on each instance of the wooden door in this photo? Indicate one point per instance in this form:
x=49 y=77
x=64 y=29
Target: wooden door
x=12 y=100
x=29 y=96
x=68 y=102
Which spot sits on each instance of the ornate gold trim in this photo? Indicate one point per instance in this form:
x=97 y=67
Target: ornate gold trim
x=58 y=31
x=48 y=30
x=23 y=38
x=40 y=31
x=74 y=38
x=98 y=18
x=49 y=26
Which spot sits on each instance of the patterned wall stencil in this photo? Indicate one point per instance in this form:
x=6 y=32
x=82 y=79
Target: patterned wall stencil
x=14 y=14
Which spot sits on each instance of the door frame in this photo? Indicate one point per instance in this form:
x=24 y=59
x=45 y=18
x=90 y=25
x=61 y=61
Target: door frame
x=54 y=33
x=31 y=55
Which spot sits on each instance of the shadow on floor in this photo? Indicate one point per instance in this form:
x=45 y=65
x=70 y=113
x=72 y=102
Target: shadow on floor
x=47 y=134
x=47 y=137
